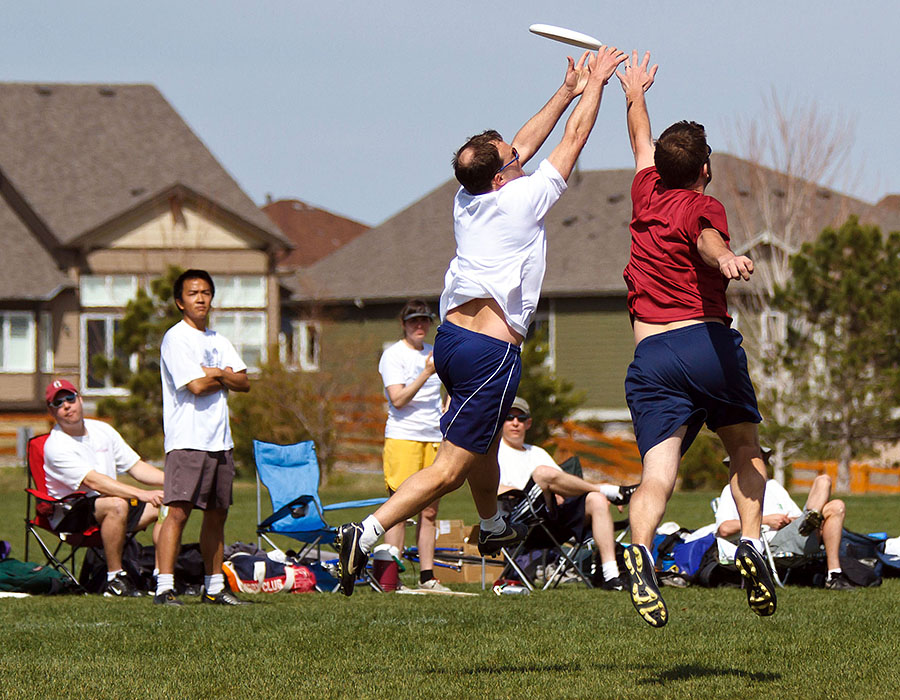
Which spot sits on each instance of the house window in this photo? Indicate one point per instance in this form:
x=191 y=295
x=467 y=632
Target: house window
x=45 y=348
x=545 y=322
x=305 y=346
x=773 y=327
x=107 y=290
x=98 y=340
x=247 y=332
x=240 y=291
x=17 y=341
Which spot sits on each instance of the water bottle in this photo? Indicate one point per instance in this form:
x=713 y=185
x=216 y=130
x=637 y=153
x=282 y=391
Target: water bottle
x=510 y=588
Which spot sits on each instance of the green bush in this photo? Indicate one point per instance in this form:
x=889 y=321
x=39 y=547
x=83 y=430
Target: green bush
x=702 y=467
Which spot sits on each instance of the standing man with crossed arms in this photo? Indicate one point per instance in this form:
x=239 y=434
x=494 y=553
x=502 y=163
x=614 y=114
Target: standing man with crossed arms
x=688 y=365
x=491 y=291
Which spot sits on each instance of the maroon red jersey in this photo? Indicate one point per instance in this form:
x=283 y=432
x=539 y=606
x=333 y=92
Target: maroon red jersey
x=666 y=277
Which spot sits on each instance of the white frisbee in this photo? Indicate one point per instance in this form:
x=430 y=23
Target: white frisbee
x=566 y=36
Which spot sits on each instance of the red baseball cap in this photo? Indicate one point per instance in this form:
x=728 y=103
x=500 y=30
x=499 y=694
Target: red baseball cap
x=58 y=385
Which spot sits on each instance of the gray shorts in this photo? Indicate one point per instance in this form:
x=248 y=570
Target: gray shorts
x=199 y=477
x=789 y=541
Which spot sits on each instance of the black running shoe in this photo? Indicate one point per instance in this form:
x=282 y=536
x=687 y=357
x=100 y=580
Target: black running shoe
x=760 y=585
x=351 y=558
x=812 y=521
x=840 y=582
x=224 y=597
x=624 y=495
x=121 y=587
x=167 y=598
x=619 y=583
x=645 y=595
x=492 y=542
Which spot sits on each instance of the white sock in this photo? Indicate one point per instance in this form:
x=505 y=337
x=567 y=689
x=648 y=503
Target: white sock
x=833 y=572
x=757 y=544
x=495 y=524
x=372 y=530
x=610 y=570
x=165 y=582
x=609 y=491
x=214 y=584
x=110 y=575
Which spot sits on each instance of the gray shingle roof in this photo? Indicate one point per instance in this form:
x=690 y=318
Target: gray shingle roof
x=28 y=272
x=82 y=155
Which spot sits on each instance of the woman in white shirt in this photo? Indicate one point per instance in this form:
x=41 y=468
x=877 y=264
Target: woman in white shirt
x=412 y=433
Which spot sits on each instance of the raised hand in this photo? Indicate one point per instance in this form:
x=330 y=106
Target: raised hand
x=577 y=74
x=604 y=64
x=637 y=76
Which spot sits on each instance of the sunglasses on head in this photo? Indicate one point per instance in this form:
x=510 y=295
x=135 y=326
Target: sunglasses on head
x=65 y=398
x=520 y=417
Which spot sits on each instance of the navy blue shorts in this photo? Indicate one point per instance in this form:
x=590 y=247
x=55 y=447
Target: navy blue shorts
x=481 y=375
x=685 y=377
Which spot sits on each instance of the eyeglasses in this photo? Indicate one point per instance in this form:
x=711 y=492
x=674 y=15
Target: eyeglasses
x=65 y=398
x=515 y=159
x=519 y=417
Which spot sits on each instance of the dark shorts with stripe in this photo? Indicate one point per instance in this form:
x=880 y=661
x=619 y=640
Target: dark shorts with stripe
x=81 y=514
x=201 y=478
x=481 y=375
x=687 y=376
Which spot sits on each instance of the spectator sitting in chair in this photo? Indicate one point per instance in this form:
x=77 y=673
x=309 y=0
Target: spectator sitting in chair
x=87 y=455
x=580 y=503
x=791 y=530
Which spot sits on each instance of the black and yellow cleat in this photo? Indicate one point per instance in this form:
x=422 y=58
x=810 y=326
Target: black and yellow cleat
x=645 y=595
x=758 y=579
x=351 y=558
x=812 y=521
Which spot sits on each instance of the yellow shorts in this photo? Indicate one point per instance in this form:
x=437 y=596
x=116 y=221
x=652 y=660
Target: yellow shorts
x=403 y=458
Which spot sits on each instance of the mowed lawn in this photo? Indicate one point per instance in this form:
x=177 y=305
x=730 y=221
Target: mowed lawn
x=567 y=643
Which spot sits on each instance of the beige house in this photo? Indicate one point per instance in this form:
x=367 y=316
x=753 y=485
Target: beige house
x=102 y=188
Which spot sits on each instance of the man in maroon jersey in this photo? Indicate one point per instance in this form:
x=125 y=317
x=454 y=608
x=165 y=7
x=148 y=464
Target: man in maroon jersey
x=689 y=367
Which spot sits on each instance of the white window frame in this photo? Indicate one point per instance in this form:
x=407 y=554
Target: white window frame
x=549 y=318
x=110 y=319
x=779 y=321
x=29 y=367
x=45 y=347
x=238 y=317
x=110 y=300
x=241 y=300
x=304 y=357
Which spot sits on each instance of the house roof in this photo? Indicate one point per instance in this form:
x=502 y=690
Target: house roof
x=587 y=233
x=29 y=271
x=82 y=155
x=315 y=232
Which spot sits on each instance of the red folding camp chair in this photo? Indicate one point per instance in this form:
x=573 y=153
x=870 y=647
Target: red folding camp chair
x=49 y=511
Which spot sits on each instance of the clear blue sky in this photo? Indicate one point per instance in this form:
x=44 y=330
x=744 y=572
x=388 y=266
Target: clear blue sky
x=357 y=107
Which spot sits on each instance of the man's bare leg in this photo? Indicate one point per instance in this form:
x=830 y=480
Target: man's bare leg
x=748 y=475
x=648 y=504
x=111 y=512
x=596 y=507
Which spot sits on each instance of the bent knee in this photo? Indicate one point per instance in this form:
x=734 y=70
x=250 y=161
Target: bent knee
x=595 y=502
x=835 y=507
x=543 y=475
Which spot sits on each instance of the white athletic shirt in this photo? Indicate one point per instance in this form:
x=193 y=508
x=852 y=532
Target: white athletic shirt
x=68 y=459
x=419 y=419
x=776 y=500
x=501 y=245
x=516 y=466
x=195 y=422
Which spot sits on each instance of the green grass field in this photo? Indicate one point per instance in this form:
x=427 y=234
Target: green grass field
x=567 y=643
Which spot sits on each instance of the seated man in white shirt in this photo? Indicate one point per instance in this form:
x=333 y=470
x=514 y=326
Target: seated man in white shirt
x=793 y=530
x=580 y=504
x=87 y=455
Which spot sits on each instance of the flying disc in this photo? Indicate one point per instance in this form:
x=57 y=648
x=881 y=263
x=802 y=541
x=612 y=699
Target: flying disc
x=566 y=36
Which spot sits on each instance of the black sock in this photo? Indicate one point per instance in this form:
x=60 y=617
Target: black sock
x=425 y=575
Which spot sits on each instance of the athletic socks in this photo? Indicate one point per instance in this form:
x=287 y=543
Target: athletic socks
x=372 y=530
x=214 y=584
x=610 y=570
x=495 y=524
x=165 y=582
x=833 y=572
x=425 y=575
x=610 y=491
x=110 y=575
x=757 y=544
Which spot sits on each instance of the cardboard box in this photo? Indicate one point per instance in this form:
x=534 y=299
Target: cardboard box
x=456 y=545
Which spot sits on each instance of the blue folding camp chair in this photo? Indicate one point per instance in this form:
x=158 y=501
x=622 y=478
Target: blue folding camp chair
x=291 y=474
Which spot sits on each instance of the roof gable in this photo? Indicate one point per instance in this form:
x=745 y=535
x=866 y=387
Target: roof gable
x=315 y=232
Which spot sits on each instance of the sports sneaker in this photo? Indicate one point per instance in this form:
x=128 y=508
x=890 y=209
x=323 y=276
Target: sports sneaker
x=121 y=587
x=223 y=597
x=433 y=585
x=645 y=595
x=840 y=582
x=492 y=542
x=614 y=584
x=812 y=521
x=167 y=598
x=351 y=558
x=624 y=495
x=760 y=585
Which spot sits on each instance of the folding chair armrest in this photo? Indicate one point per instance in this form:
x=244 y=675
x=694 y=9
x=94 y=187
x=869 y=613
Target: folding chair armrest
x=287 y=509
x=46 y=497
x=364 y=503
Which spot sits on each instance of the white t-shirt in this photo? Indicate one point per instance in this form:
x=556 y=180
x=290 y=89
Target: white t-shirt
x=419 y=419
x=193 y=422
x=68 y=459
x=776 y=500
x=501 y=245
x=516 y=466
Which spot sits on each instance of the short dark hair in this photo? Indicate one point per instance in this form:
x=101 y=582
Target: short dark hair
x=681 y=151
x=192 y=275
x=482 y=162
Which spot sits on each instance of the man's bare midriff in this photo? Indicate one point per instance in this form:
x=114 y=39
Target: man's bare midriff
x=484 y=316
x=642 y=329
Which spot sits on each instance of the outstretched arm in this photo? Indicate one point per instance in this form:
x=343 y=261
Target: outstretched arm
x=716 y=253
x=579 y=125
x=531 y=137
x=636 y=79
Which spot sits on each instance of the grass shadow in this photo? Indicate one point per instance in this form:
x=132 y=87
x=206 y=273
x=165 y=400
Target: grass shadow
x=684 y=672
